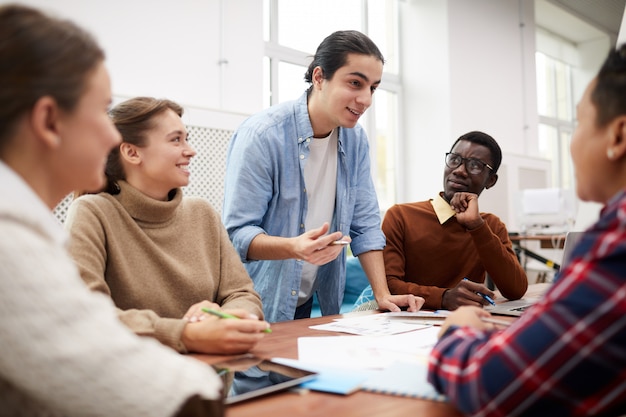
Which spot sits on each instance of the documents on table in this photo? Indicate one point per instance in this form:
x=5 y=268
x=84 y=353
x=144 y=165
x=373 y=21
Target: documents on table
x=389 y=364
x=385 y=323
x=367 y=352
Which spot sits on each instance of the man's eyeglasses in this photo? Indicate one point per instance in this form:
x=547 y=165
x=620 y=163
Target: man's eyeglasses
x=472 y=165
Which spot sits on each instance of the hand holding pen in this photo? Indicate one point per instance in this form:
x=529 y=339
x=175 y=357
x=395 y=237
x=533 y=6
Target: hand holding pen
x=223 y=315
x=213 y=335
x=483 y=295
x=466 y=293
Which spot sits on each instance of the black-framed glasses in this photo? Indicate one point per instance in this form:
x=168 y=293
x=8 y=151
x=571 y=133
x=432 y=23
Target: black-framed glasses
x=472 y=165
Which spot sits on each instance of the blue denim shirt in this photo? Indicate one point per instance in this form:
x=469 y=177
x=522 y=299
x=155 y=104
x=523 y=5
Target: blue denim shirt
x=265 y=193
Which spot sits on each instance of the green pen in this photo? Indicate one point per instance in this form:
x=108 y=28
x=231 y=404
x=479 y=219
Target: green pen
x=224 y=315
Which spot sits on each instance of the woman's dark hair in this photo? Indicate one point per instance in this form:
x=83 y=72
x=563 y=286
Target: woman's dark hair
x=133 y=118
x=481 y=138
x=332 y=53
x=609 y=94
x=41 y=56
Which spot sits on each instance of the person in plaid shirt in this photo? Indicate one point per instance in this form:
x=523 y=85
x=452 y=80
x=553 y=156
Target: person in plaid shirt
x=566 y=356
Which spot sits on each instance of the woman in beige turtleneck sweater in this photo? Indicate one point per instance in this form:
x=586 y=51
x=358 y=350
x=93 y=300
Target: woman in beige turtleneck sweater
x=161 y=256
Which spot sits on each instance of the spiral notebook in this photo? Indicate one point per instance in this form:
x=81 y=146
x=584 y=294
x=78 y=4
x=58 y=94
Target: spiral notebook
x=404 y=379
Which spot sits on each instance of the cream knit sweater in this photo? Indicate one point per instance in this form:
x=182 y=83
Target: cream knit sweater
x=157 y=258
x=64 y=351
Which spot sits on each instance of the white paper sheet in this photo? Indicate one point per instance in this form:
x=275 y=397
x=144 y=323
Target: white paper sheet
x=368 y=352
x=374 y=325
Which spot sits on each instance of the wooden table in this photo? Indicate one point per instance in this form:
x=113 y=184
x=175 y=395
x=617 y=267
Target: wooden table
x=282 y=342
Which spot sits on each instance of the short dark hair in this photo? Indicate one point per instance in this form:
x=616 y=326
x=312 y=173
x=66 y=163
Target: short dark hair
x=609 y=93
x=332 y=53
x=133 y=118
x=41 y=56
x=487 y=141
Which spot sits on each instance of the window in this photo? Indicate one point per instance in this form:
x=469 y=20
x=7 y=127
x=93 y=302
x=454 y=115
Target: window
x=569 y=51
x=556 y=117
x=293 y=30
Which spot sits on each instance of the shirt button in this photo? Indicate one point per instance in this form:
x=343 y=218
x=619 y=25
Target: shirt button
x=293 y=292
x=301 y=225
x=304 y=190
x=301 y=156
x=308 y=140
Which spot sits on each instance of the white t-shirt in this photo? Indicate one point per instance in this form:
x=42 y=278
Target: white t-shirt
x=320 y=180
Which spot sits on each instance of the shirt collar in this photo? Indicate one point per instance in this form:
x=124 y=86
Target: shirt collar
x=442 y=209
x=304 y=129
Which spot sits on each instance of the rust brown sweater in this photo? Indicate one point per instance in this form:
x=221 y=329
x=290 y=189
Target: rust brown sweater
x=424 y=257
x=157 y=258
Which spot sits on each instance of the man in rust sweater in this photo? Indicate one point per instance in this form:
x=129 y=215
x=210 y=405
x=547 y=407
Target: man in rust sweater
x=432 y=245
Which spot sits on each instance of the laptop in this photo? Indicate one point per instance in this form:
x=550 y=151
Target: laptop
x=513 y=308
x=571 y=239
x=517 y=307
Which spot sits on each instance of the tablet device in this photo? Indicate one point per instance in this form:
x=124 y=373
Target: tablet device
x=249 y=377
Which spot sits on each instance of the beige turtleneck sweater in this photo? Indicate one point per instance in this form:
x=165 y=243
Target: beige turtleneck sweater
x=157 y=258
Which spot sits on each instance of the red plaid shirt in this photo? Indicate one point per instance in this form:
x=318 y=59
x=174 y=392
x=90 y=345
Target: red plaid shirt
x=566 y=356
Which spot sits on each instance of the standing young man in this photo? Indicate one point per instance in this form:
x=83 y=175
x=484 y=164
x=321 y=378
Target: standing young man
x=301 y=169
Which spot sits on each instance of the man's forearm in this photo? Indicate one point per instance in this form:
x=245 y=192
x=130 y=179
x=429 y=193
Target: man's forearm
x=374 y=267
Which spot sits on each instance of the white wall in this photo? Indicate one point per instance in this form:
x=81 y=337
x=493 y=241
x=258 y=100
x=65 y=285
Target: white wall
x=493 y=71
x=172 y=49
x=467 y=65
x=425 y=67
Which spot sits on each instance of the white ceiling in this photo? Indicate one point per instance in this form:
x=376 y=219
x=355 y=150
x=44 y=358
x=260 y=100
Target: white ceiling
x=580 y=20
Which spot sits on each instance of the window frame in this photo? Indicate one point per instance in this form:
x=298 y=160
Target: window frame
x=392 y=83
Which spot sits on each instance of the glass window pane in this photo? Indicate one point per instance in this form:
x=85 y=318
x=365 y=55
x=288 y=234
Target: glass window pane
x=563 y=90
x=549 y=149
x=546 y=105
x=383 y=30
x=567 y=166
x=386 y=104
x=266 y=20
x=291 y=82
x=542 y=91
x=267 y=82
x=303 y=24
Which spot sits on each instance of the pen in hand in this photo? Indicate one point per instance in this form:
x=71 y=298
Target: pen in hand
x=224 y=315
x=485 y=296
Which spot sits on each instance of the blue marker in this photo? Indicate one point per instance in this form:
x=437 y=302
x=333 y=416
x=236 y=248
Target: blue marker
x=485 y=296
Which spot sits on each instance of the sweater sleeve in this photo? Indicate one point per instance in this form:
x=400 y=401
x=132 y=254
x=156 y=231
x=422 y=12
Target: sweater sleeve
x=395 y=260
x=88 y=248
x=236 y=289
x=498 y=258
x=65 y=353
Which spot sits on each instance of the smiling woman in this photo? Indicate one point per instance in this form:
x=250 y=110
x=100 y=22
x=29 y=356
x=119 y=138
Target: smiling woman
x=160 y=256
